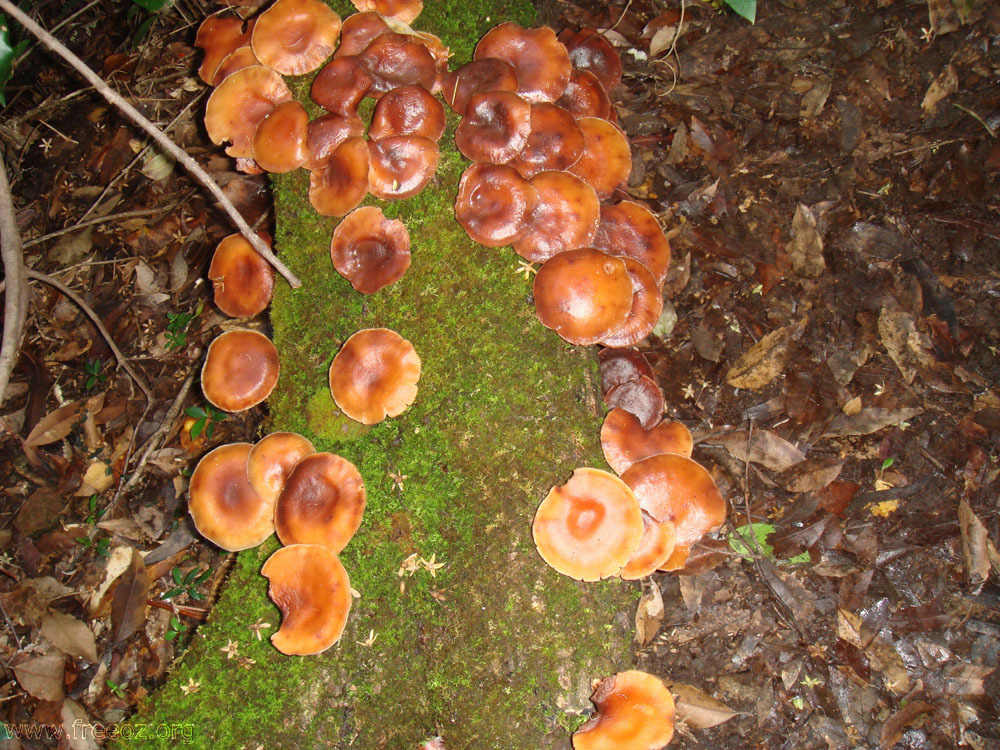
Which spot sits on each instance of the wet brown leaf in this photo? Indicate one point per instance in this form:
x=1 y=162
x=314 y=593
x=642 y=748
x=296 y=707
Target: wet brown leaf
x=70 y=635
x=946 y=83
x=966 y=679
x=869 y=420
x=649 y=614
x=766 y=448
x=40 y=511
x=764 y=361
x=911 y=715
x=977 y=549
x=59 y=423
x=909 y=348
x=805 y=250
x=815 y=98
x=73 y=718
x=42 y=676
x=810 y=475
x=29 y=601
x=128 y=606
x=698 y=709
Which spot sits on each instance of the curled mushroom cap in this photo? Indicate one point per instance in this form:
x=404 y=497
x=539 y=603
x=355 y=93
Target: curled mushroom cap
x=400 y=166
x=395 y=60
x=402 y=10
x=321 y=502
x=279 y=143
x=606 y=160
x=341 y=183
x=325 y=133
x=641 y=397
x=272 y=459
x=619 y=366
x=341 y=85
x=540 y=59
x=242 y=280
x=225 y=508
x=589 y=527
x=582 y=295
x=295 y=36
x=494 y=203
x=477 y=77
x=592 y=52
x=374 y=375
x=239 y=58
x=647 y=305
x=238 y=105
x=495 y=127
x=219 y=36
x=311 y=588
x=674 y=488
x=240 y=370
x=565 y=216
x=624 y=440
x=408 y=110
x=585 y=96
x=630 y=229
x=554 y=143
x=658 y=540
x=357 y=32
x=369 y=250
x=635 y=711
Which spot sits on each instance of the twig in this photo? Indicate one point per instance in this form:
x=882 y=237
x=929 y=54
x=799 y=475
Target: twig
x=168 y=145
x=16 y=296
x=98 y=220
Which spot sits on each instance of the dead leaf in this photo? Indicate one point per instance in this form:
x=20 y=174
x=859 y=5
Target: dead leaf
x=913 y=714
x=868 y=421
x=649 y=614
x=805 y=250
x=118 y=563
x=765 y=360
x=977 y=549
x=766 y=448
x=42 y=676
x=943 y=16
x=708 y=344
x=908 y=347
x=662 y=40
x=128 y=606
x=811 y=475
x=59 y=423
x=30 y=599
x=966 y=679
x=96 y=479
x=697 y=709
x=946 y=83
x=815 y=98
x=882 y=656
x=73 y=718
x=40 y=511
x=70 y=636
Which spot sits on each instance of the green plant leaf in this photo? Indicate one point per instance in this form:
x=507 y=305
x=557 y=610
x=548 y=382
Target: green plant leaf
x=7 y=55
x=740 y=543
x=196 y=411
x=745 y=8
x=154 y=5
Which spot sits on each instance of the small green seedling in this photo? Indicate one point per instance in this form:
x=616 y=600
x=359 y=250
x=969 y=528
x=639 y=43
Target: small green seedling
x=741 y=544
x=94 y=374
x=177 y=324
x=93 y=514
x=887 y=463
x=118 y=688
x=204 y=420
x=188 y=583
x=176 y=628
x=101 y=546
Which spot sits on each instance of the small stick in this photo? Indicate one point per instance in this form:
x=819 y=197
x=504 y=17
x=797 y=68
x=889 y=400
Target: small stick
x=16 y=297
x=98 y=220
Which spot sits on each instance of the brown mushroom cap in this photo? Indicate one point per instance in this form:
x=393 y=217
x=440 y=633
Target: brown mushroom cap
x=240 y=370
x=647 y=304
x=369 y=250
x=408 y=110
x=238 y=105
x=225 y=508
x=625 y=441
x=630 y=229
x=554 y=143
x=641 y=397
x=357 y=32
x=540 y=59
x=279 y=143
x=606 y=160
x=341 y=85
x=395 y=60
x=494 y=203
x=219 y=36
x=582 y=294
x=619 y=366
x=272 y=459
x=589 y=527
x=657 y=544
x=635 y=710
x=239 y=58
x=311 y=588
x=585 y=96
x=495 y=127
x=374 y=375
x=402 y=10
x=477 y=77
x=339 y=186
x=675 y=488
x=295 y=36
x=325 y=133
x=592 y=52
x=242 y=280
x=400 y=166
x=565 y=217
x=321 y=502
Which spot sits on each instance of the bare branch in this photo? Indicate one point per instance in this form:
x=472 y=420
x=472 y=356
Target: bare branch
x=16 y=296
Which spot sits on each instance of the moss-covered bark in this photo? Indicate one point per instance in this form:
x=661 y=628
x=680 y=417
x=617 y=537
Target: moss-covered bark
x=494 y=650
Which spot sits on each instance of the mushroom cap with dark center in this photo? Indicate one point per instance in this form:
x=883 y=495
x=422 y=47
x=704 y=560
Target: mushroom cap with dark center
x=635 y=711
x=369 y=250
x=401 y=10
x=238 y=105
x=408 y=110
x=625 y=441
x=341 y=85
x=339 y=186
x=494 y=203
x=565 y=216
x=647 y=304
x=657 y=544
x=630 y=229
x=582 y=294
x=242 y=280
x=219 y=36
x=357 y=32
x=294 y=37
x=374 y=375
x=495 y=127
x=272 y=459
x=225 y=508
x=279 y=143
x=400 y=166
x=585 y=96
x=325 y=133
x=395 y=60
x=540 y=59
x=477 y=77
x=554 y=143
x=240 y=370
x=239 y=58
x=310 y=586
x=641 y=397
x=671 y=487
x=619 y=366
x=589 y=527
x=322 y=502
x=606 y=159
x=592 y=52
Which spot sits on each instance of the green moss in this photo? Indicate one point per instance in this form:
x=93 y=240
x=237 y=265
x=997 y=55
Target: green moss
x=493 y=649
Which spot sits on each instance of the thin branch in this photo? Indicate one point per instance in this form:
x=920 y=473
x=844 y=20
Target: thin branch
x=98 y=220
x=168 y=145
x=16 y=292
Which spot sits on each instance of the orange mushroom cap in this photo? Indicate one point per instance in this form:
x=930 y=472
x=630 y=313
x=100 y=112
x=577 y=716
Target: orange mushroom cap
x=589 y=527
x=647 y=305
x=635 y=711
x=630 y=229
x=495 y=127
x=225 y=508
x=311 y=588
x=242 y=280
x=219 y=36
x=592 y=52
x=325 y=133
x=494 y=203
x=675 y=488
x=477 y=77
x=272 y=459
x=555 y=141
x=369 y=250
x=619 y=366
x=239 y=58
x=401 y=165
x=341 y=85
x=295 y=36
x=585 y=96
x=540 y=59
x=338 y=186
x=374 y=375
x=357 y=32
x=606 y=159
x=279 y=144
x=395 y=60
x=238 y=105
x=565 y=217
x=401 y=10
x=408 y=110
x=240 y=370
x=657 y=544
x=624 y=440
x=641 y=397
x=321 y=502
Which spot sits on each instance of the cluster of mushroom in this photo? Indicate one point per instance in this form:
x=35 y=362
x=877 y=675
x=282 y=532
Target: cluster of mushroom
x=635 y=711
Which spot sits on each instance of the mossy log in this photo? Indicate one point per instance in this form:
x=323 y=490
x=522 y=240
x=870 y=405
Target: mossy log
x=493 y=649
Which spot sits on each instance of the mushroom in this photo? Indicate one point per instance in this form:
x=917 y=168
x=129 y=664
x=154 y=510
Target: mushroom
x=619 y=366
x=592 y=52
x=240 y=370
x=555 y=141
x=369 y=250
x=565 y=217
x=219 y=36
x=624 y=440
x=635 y=711
x=341 y=183
x=647 y=304
x=238 y=105
x=540 y=59
x=341 y=85
x=357 y=32
x=395 y=60
x=239 y=58
x=242 y=280
x=585 y=96
x=325 y=133
x=401 y=10
x=671 y=487
x=606 y=159
x=272 y=459
x=657 y=544
x=400 y=166
x=589 y=527
x=311 y=588
x=321 y=502
x=279 y=143
x=408 y=110
x=295 y=36
x=494 y=203
x=374 y=375
x=225 y=508
x=641 y=397
x=477 y=77
x=495 y=127
x=582 y=294
x=630 y=229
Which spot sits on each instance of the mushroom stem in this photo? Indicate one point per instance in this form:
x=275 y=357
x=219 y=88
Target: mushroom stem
x=157 y=135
